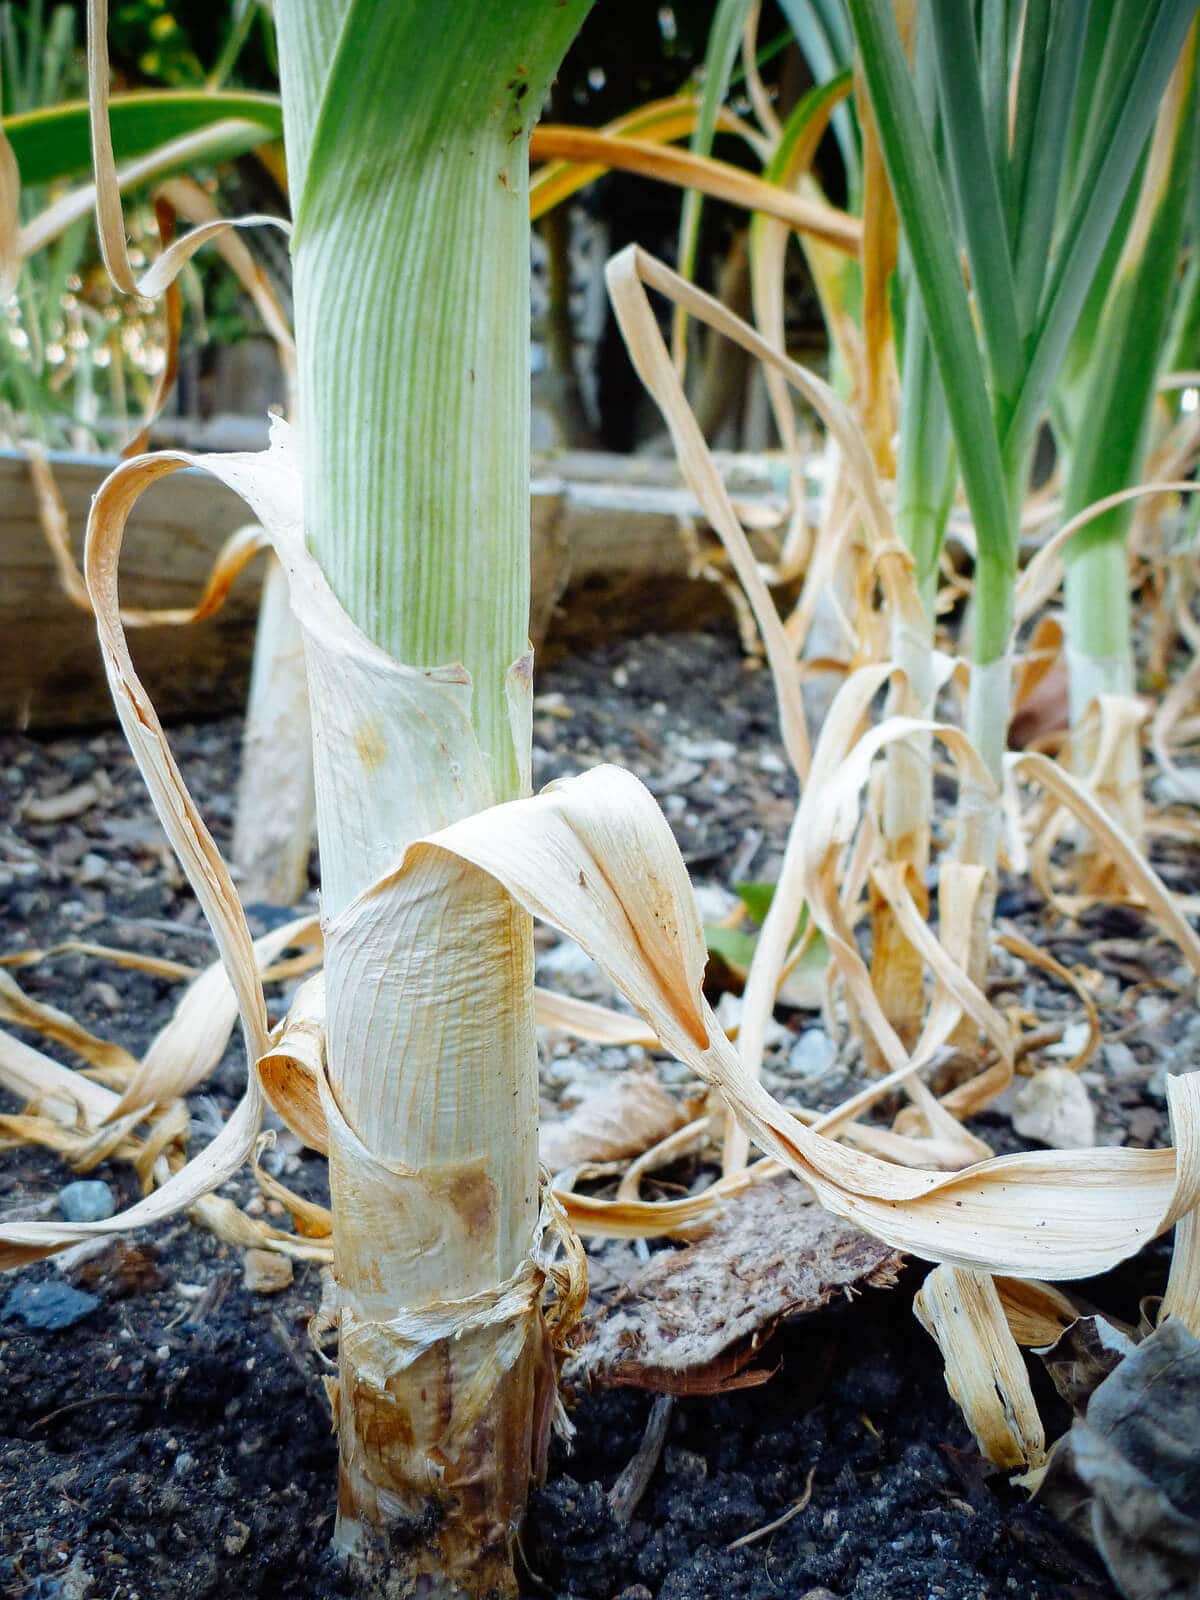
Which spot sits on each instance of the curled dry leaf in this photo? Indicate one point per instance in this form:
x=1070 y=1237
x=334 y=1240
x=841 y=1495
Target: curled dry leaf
x=616 y=1119
x=1035 y=1312
x=691 y=1321
x=231 y=559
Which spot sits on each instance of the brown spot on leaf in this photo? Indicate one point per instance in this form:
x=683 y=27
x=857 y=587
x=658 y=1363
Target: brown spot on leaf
x=369 y=745
x=471 y=1193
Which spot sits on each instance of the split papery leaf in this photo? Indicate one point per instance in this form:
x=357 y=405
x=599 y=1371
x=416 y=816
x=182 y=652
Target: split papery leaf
x=985 y=1373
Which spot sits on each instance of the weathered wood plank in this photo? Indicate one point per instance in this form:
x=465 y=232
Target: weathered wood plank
x=595 y=518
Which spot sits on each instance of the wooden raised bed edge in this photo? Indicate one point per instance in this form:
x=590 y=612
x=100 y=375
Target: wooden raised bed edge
x=605 y=534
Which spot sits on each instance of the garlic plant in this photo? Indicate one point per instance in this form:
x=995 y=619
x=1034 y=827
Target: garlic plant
x=1105 y=420
x=407 y=134
x=399 y=511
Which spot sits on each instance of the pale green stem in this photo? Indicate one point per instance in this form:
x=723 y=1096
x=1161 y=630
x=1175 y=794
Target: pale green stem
x=1099 y=622
x=407 y=129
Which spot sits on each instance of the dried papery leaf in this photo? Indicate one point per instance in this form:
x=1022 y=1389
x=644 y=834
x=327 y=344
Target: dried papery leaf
x=115 y=1062
x=1040 y=699
x=131 y=960
x=692 y=1320
x=889 y=564
x=52 y=516
x=1107 y=742
x=72 y=1119
x=10 y=219
x=652 y=360
x=110 y=220
x=271 y=486
x=593 y=1216
x=826 y=821
x=190 y=150
x=687 y=170
x=661 y=121
x=1036 y=1312
x=1134 y=868
x=168 y=266
x=54 y=1091
x=291 y=1069
x=311 y=1219
x=190 y=1045
x=962 y=1313
x=1055 y=1215
x=683 y=1141
x=969 y=1000
x=583 y=1019
x=234 y=556
x=1174 y=705
x=834 y=552
x=614 y=1121
x=194 y=203
x=229 y=1223
x=1045 y=962
x=769 y=239
x=1182 y=1298
x=628 y=275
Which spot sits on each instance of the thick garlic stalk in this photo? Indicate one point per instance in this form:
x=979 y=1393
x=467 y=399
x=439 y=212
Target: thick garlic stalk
x=407 y=139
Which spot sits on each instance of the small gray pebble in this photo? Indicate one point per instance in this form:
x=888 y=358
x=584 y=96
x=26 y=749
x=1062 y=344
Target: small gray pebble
x=87 y=1200
x=50 y=1306
x=812 y=1055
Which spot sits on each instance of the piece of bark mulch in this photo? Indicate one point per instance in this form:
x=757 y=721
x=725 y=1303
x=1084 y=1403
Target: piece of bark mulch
x=692 y=1321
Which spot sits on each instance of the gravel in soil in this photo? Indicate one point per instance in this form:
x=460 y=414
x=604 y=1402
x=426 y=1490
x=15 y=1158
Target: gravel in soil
x=175 y=1441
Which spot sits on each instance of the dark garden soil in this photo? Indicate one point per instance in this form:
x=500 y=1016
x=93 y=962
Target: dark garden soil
x=176 y=1440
